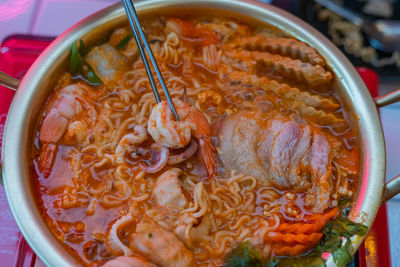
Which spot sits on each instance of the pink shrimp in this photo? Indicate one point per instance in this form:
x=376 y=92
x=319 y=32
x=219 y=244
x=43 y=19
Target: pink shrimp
x=177 y=134
x=68 y=103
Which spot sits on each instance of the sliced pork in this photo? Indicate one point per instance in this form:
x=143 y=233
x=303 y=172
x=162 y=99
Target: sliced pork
x=279 y=152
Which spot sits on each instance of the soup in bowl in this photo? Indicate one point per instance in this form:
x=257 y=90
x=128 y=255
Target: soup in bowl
x=261 y=167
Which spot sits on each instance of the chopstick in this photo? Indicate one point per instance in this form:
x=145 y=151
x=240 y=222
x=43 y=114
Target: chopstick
x=140 y=37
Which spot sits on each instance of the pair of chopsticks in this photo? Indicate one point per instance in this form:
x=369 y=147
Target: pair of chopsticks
x=140 y=37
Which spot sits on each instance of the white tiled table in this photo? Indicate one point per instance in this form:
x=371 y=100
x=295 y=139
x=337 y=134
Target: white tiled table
x=52 y=17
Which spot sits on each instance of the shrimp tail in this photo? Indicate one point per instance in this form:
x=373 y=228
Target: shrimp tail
x=47 y=156
x=206 y=150
x=203 y=134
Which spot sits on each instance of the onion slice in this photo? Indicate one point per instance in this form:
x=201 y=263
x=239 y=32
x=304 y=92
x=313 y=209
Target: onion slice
x=159 y=164
x=175 y=159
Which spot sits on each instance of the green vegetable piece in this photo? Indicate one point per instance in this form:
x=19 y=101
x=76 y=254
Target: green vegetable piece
x=342 y=256
x=243 y=256
x=83 y=49
x=311 y=260
x=347 y=228
x=75 y=62
x=332 y=239
x=92 y=78
x=336 y=229
x=124 y=41
x=77 y=65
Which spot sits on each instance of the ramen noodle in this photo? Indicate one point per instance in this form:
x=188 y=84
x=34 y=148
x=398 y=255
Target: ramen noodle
x=260 y=159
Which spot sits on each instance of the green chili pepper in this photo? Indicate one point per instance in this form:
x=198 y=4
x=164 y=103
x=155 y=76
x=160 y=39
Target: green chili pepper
x=75 y=62
x=124 y=41
x=92 y=78
x=83 y=49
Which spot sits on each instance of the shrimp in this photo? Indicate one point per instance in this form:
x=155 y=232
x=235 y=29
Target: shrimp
x=67 y=105
x=177 y=134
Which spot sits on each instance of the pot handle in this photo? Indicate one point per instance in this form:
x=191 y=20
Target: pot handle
x=8 y=81
x=392 y=187
x=12 y=83
x=387 y=99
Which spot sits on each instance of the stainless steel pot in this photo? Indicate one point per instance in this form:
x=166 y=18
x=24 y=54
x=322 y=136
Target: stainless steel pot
x=38 y=82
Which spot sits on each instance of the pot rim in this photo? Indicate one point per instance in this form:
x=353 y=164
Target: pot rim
x=17 y=140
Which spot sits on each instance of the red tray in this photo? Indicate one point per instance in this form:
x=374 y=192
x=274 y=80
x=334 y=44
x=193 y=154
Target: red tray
x=18 y=52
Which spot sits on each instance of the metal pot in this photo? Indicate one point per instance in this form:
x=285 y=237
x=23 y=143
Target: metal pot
x=39 y=80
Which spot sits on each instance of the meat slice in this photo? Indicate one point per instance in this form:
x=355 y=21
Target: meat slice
x=264 y=151
x=282 y=150
x=266 y=139
x=168 y=192
x=300 y=161
x=284 y=46
x=160 y=246
x=239 y=137
x=278 y=152
x=311 y=106
x=170 y=200
x=291 y=68
x=320 y=172
x=288 y=93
